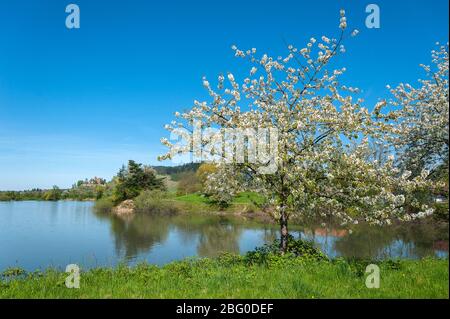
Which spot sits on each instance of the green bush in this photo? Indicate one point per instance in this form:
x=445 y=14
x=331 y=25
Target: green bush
x=441 y=211
x=13 y=272
x=188 y=183
x=154 y=202
x=296 y=248
x=133 y=179
x=104 y=205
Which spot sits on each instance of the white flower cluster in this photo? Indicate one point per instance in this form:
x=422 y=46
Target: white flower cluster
x=418 y=126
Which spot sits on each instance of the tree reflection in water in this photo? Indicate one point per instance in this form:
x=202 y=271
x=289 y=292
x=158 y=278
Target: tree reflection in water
x=209 y=236
x=415 y=240
x=138 y=234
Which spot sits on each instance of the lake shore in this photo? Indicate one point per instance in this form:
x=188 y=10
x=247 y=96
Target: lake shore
x=230 y=277
x=242 y=207
x=170 y=204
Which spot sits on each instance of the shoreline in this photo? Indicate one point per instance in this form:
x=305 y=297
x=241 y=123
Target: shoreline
x=245 y=212
x=47 y=200
x=233 y=211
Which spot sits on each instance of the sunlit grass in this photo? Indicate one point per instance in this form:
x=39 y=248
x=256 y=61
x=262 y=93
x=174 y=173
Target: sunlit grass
x=215 y=278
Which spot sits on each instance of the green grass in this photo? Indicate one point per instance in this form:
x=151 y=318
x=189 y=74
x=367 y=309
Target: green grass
x=242 y=198
x=198 y=203
x=248 y=198
x=242 y=201
x=193 y=199
x=231 y=277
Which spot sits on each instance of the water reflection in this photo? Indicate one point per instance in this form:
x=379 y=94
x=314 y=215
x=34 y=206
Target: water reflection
x=215 y=240
x=415 y=240
x=212 y=235
x=136 y=235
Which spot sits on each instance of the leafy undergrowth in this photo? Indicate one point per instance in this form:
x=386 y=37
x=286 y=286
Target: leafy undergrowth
x=263 y=273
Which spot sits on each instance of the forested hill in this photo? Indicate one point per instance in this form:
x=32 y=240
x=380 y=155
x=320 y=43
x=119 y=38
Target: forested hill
x=175 y=170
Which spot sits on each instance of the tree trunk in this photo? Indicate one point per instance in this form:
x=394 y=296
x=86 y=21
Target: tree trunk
x=284 y=231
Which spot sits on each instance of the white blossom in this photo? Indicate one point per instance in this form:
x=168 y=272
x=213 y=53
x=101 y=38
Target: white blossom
x=326 y=159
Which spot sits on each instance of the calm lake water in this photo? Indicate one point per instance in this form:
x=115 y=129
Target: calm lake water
x=36 y=235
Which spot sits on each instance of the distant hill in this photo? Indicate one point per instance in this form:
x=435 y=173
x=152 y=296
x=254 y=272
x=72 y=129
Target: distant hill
x=176 y=170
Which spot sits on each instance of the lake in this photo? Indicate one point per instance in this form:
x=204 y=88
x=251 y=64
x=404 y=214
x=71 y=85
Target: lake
x=36 y=235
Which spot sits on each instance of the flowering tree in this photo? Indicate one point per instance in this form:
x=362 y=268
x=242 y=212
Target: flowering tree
x=420 y=117
x=324 y=160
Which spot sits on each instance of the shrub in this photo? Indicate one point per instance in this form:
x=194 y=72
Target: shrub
x=154 y=202
x=441 y=211
x=13 y=272
x=133 y=179
x=229 y=259
x=104 y=205
x=54 y=194
x=204 y=171
x=188 y=183
x=297 y=248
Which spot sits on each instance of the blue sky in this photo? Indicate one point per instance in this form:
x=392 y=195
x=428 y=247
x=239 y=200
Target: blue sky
x=79 y=103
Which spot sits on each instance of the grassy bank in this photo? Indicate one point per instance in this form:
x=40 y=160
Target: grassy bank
x=233 y=277
x=244 y=203
x=166 y=203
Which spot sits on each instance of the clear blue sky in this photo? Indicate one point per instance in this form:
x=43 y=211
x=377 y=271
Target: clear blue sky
x=79 y=103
